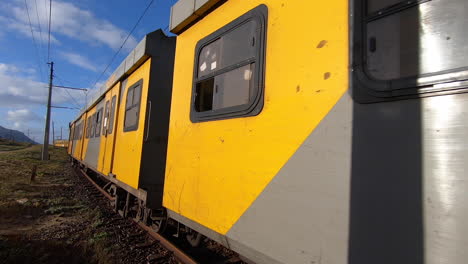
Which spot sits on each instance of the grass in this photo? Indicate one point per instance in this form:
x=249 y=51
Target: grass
x=7 y=145
x=46 y=207
x=16 y=168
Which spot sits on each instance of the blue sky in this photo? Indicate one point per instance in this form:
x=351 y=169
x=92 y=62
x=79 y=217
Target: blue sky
x=85 y=35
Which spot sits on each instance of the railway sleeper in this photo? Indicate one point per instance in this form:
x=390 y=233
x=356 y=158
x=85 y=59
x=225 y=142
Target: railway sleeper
x=129 y=206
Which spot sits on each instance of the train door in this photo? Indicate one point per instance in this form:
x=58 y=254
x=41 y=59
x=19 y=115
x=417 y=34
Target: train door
x=78 y=146
x=108 y=135
x=131 y=125
x=70 y=139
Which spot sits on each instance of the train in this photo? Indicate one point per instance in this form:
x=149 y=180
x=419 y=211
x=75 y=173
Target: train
x=293 y=131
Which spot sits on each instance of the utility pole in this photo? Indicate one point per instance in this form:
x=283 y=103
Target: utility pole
x=61 y=133
x=53 y=134
x=45 y=147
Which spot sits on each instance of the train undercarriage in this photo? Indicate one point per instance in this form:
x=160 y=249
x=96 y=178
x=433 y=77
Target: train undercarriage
x=131 y=204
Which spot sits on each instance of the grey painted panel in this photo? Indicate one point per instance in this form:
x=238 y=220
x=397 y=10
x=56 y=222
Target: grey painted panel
x=92 y=152
x=223 y=240
x=120 y=70
x=302 y=215
x=374 y=183
x=199 y=3
x=198 y=227
x=139 y=50
x=184 y=12
x=180 y=11
x=129 y=61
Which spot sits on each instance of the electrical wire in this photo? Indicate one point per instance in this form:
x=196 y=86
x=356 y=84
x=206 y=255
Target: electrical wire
x=69 y=94
x=34 y=41
x=39 y=24
x=50 y=22
x=125 y=41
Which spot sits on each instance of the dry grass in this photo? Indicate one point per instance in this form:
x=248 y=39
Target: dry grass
x=7 y=145
x=45 y=220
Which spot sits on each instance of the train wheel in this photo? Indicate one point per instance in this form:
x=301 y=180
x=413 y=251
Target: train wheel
x=157 y=220
x=193 y=237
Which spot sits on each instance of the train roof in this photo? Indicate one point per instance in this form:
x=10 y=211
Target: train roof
x=184 y=13
x=134 y=59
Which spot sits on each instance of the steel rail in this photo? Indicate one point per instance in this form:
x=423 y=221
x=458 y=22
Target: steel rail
x=108 y=196
x=178 y=253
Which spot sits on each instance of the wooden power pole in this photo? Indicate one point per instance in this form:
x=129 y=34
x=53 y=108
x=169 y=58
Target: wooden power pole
x=45 y=147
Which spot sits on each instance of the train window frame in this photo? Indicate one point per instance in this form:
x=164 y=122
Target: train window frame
x=105 y=118
x=88 y=127
x=80 y=130
x=110 y=127
x=92 y=124
x=73 y=132
x=255 y=102
x=366 y=89
x=98 y=121
x=137 y=105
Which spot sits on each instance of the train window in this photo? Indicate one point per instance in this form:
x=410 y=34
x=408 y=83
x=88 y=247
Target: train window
x=112 y=114
x=79 y=128
x=73 y=132
x=91 y=126
x=229 y=69
x=88 y=127
x=132 y=107
x=106 y=119
x=98 y=122
x=408 y=47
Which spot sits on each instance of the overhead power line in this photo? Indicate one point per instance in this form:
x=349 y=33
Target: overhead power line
x=34 y=39
x=39 y=24
x=68 y=87
x=123 y=43
x=65 y=107
x=50 y=22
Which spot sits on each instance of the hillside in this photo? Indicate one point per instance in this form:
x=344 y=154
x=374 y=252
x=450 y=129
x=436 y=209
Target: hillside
x=14 y=135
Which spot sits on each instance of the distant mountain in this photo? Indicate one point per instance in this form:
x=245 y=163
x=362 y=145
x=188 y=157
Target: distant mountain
x=14 y=135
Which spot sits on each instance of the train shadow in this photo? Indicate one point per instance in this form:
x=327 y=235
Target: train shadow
x=386 y=205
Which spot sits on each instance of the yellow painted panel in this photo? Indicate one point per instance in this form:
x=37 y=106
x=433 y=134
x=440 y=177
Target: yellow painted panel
x=79 y=143
x=216 y=169
x=107 y=142
x=86 y=140
x=70 y=140
x=128 y=145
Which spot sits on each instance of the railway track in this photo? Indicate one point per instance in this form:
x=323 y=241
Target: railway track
x=137 y=238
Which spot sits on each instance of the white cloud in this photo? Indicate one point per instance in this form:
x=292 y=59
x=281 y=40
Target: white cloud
x=68 y=20
x=22 y=116
x=22 y=27
x=19 y=91
x=79 y=60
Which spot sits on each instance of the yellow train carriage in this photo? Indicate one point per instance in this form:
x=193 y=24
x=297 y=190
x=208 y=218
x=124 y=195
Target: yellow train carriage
x=273 y=134
x=243 y=84
x=274 y=153
x=126 y=126
x=71 y=135
x=77 y=139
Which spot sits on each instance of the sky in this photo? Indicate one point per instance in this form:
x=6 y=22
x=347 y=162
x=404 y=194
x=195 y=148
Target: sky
x=85 y=35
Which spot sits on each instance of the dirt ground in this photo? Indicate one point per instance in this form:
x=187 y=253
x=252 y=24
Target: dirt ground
x=54 y=219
